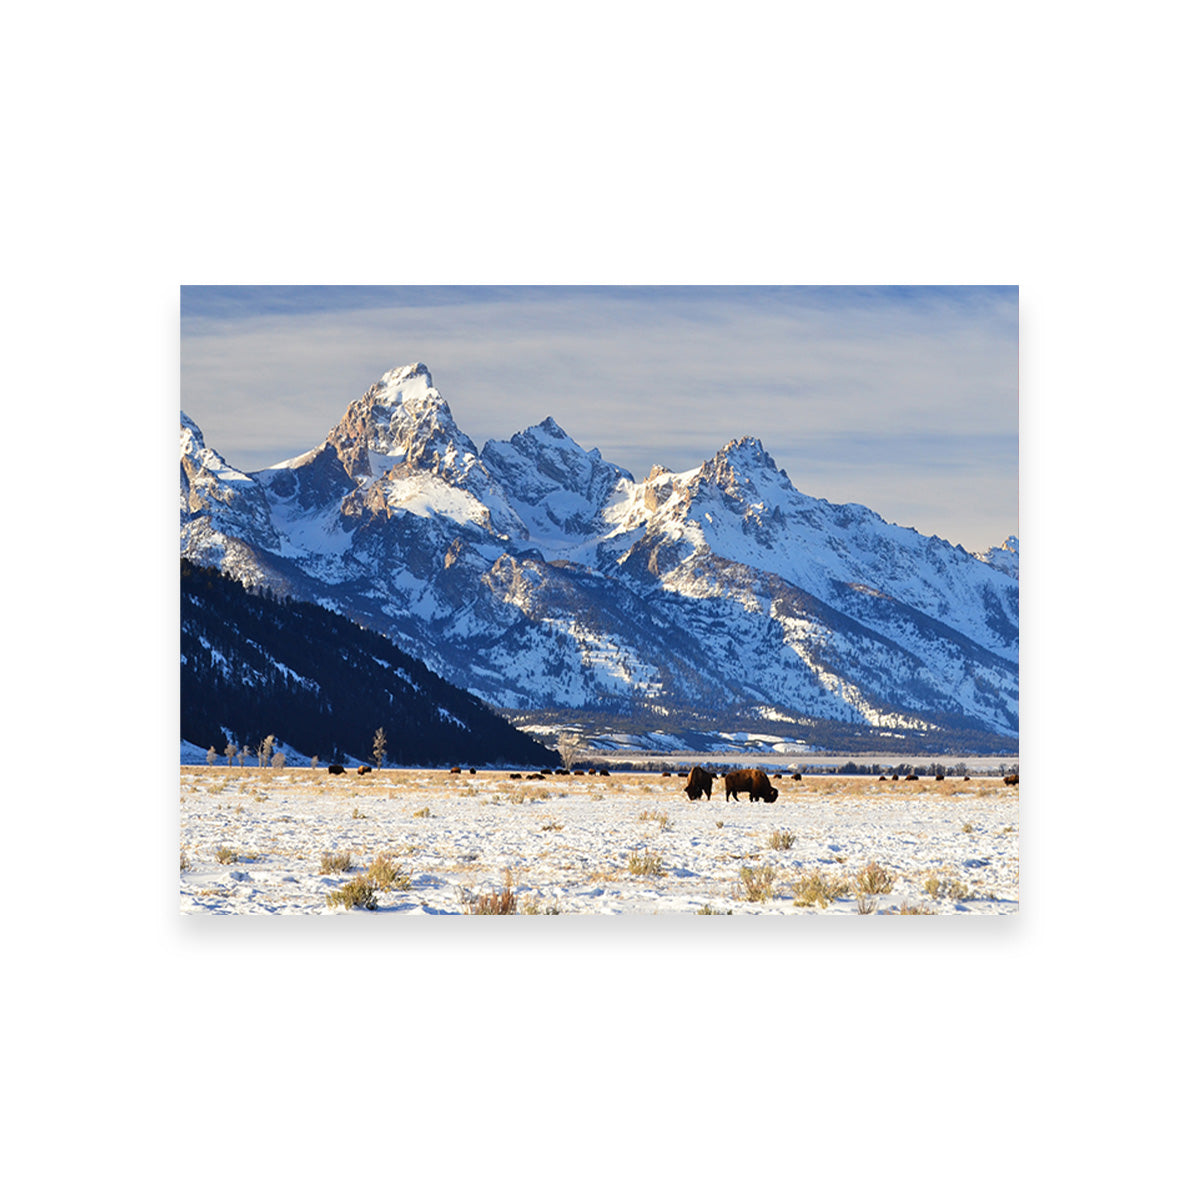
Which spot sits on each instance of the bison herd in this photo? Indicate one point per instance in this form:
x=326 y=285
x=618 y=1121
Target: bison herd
x=699 y=781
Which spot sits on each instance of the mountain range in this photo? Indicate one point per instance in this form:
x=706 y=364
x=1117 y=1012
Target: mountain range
x=568 y=595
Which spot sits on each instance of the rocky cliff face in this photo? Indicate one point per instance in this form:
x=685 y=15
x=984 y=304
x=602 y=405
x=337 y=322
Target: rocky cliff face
x=540 y=576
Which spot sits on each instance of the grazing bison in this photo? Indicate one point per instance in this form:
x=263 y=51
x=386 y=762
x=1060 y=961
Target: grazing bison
x=755 y=782
x=797 y=776
x=456 y=770
x=698 y=780
x=1009 y=780
x=364 y=770
x=895 y=778
x=911 y=778
x=939 y=777
x=603 y=771
x=335 y=769
x=966 y=779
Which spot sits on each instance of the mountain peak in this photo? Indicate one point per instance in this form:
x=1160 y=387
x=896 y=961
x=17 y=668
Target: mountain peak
x=402 y=416
x=414 y=371
x=551 y=428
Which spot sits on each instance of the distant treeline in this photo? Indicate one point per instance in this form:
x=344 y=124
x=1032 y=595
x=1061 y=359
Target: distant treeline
x=253 y=663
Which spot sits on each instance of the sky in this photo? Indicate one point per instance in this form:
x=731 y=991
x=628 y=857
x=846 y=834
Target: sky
x=903 y=399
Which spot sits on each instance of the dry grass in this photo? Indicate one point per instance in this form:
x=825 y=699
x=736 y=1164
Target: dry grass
x=336 y=863
x=226 y=854
x=781 y=839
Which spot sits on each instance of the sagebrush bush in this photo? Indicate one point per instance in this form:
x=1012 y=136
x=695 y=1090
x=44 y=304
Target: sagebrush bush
x=663 y=818
x=782 y=839
x=334 y=863
x=226 y=854
x=358 y=892
x=947 y=886
x=423 y=812
x=870 y=883
x=814 y=888
x=758 y=883
x=645 y=863
x=384 y=873
x=495 y=903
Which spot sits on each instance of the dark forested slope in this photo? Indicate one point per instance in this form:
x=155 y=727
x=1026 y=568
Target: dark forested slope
x=252 y=664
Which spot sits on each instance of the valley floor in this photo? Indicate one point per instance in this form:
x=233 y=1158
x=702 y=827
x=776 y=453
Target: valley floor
x=253 y=841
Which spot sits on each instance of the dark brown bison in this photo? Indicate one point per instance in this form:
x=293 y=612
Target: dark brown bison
x=456 y=770
x=911 y=778
x=755 y=782
x=698 y=780
x=364 y=770
x=335 y=769
x=1010 y=780
x=895 y=777
x=939 y=777
x=797 y=776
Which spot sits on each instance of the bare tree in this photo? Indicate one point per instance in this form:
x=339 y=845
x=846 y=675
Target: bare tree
x=570 y=747
x=379 y=748
x=278 y=759
x=315 y=761
x=212 y=755
x=264 y=749
x=230 y=752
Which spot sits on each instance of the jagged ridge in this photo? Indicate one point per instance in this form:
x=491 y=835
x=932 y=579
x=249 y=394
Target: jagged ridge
x=538 y=575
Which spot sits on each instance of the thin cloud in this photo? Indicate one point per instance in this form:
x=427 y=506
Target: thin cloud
x=648 y=375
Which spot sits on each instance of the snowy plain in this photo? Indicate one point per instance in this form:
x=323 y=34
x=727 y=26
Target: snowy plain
x=253 y=841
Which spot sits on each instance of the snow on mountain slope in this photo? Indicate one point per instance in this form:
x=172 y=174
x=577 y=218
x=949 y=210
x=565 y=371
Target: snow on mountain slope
x=541 y=576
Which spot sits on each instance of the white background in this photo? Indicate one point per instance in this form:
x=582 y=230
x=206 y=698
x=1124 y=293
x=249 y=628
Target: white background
x=1044 y=145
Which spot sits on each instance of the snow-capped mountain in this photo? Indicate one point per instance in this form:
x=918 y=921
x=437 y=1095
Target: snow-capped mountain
x=542 y=577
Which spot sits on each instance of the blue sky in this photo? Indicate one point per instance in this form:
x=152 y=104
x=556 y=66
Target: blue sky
x=902 y=399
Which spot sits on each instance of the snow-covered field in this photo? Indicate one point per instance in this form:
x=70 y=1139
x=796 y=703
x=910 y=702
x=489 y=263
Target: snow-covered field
x=252 y=840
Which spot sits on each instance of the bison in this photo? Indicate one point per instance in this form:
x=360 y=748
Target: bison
x=698 y=780
x=755 y=782
x=364 y=770
x=1010 y=780
x=911 y=778
x=456 y=770
x=335 y=769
